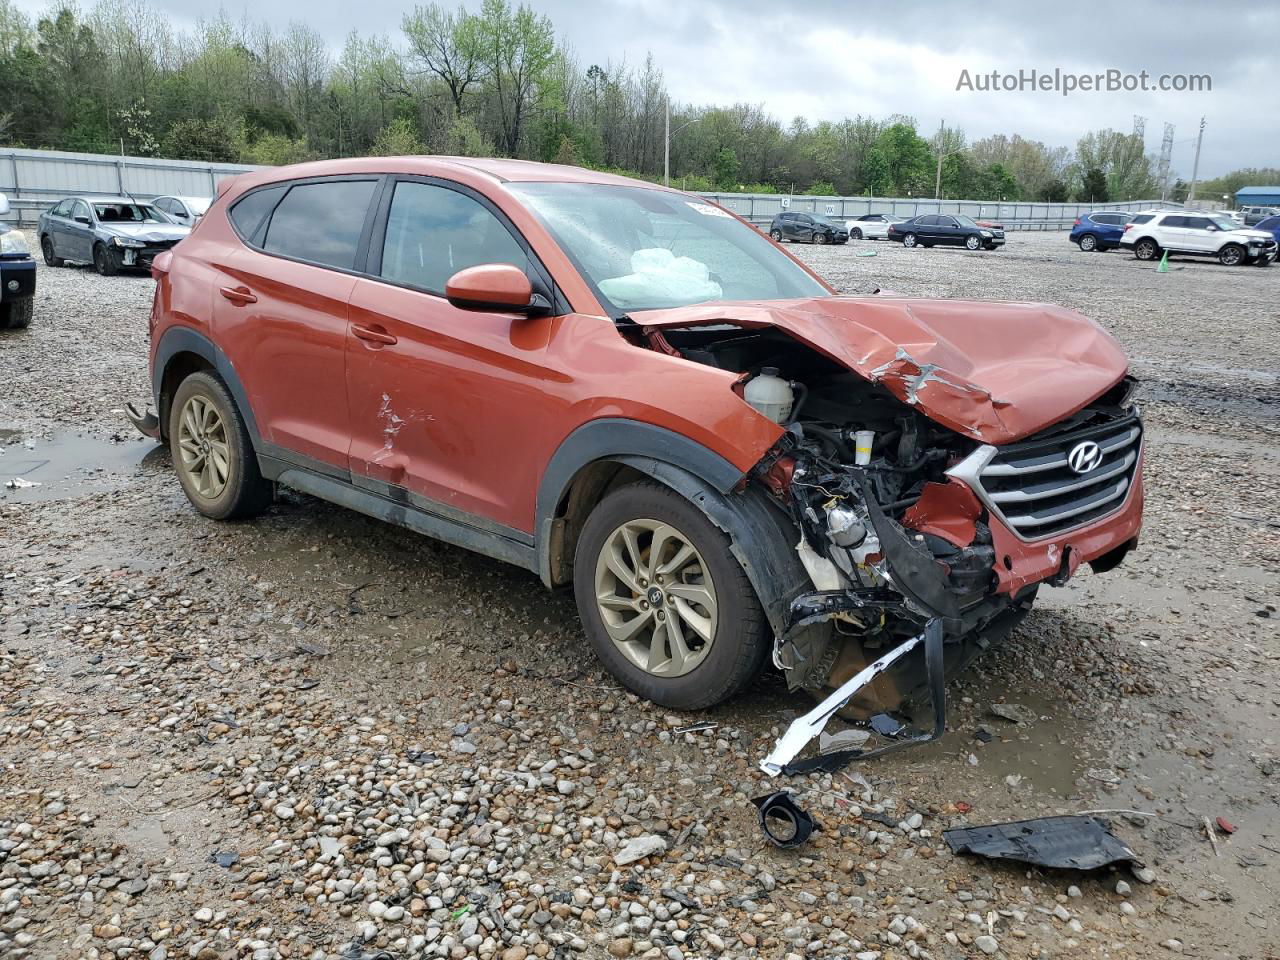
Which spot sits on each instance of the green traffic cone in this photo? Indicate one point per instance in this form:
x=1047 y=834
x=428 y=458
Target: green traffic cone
x=1164 y=263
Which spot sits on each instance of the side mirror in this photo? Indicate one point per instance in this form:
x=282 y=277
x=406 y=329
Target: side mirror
x=82 y=219
x=495 y=287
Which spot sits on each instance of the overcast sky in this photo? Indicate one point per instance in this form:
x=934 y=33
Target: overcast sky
x=826 y=59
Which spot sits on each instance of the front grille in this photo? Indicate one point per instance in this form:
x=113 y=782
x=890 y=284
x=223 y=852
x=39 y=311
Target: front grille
x=1033 y=489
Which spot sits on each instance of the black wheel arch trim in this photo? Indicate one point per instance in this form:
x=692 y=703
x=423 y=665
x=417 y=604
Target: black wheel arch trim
x=178 y=340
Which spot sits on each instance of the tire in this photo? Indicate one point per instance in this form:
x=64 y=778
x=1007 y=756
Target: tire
x=622 y=526
x=1232 y=255
x=856 y=235
x=819 y=238
x=243 y=491
x=103 y=262
x=908 y=239
x=972 y=243
x=1146 y=249
x=46 y=247
x=16 y=314
x=1088 y=242
x=777 y=235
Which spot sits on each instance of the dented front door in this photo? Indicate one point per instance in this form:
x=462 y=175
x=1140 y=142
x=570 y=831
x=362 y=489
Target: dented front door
x=447 y=405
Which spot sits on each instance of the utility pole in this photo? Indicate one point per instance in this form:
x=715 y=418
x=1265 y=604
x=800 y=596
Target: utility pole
x=937 y=180
x=1195 y=167
x=666 y=146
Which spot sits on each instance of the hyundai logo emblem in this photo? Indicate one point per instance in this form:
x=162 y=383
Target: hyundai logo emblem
x=1084 y=456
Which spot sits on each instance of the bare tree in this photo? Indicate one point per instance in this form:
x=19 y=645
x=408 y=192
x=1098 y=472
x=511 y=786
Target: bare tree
x=448 y=47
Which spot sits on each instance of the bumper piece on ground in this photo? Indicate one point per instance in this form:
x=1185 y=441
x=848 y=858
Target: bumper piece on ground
x=1060 y=843
x=147 y=423
x=806 y=728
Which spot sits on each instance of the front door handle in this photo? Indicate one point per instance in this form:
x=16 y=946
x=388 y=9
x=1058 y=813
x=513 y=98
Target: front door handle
x=374 y=334
x=240 y=295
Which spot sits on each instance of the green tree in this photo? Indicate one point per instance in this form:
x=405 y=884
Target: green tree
x=397 y=139
x=220 y=140
x=448 y=45
x=1093 y=186
x=725 y=169
x=908 y=163
x=517 y=48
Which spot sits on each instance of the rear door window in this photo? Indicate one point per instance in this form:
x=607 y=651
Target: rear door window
x=321 y=222
x=434 y=231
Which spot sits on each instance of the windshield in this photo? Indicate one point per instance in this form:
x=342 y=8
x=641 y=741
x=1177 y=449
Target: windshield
x=646 y=249
x=1224 y=223
x=128 y=213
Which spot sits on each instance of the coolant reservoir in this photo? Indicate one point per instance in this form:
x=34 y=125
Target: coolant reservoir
x=770 y=394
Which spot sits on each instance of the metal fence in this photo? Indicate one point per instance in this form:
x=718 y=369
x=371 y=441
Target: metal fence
x=35 y=179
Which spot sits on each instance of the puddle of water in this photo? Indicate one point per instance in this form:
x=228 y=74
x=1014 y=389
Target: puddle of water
x=70 y=465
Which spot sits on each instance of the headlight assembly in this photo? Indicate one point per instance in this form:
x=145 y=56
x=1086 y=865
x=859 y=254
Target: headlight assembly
x=127 y=242
x=13 y=242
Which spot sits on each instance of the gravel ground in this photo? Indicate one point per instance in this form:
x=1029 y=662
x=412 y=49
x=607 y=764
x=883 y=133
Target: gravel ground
x=313 y=735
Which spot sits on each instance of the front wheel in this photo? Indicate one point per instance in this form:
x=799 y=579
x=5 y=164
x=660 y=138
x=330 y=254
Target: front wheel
x=16 y=314
x=1146 y=249
x=909 y=240
x=1232 y=255
x=104 y=262
x=46 y=247
x=972 y=243
x=820 y=238
x=212 y=451
x=777 y=235
x=856 y=235
x=664 y=602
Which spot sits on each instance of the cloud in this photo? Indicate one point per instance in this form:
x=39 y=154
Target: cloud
x=827 y=59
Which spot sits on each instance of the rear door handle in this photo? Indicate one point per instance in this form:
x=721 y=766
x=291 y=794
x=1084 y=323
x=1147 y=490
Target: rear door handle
x=240 y=295
x=374 y=334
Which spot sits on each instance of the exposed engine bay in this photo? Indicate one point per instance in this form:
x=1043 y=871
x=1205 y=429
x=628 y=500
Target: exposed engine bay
x=890 y=540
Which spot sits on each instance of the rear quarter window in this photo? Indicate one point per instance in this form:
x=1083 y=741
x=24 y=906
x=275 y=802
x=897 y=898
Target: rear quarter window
x=249 y=213
x=321 y=222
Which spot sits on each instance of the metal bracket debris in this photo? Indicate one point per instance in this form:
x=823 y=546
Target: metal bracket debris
x=1068 y=843
x=806 y=728
x=783 y=822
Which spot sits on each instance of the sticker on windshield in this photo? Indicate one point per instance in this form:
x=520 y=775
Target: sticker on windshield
x=707 y=210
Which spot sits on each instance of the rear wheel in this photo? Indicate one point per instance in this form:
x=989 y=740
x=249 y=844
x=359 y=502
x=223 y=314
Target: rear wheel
x=16 y=314
x=1146 y=249
x=777 y=235
x=212 y=451
x=46 y=247
x=1088 y=243
x=856 y=235
x=1232 y=255
x=664 y=602
x=103 y=262
x=909 y=240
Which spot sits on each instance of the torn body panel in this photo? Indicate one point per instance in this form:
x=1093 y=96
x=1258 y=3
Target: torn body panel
x=992 y=371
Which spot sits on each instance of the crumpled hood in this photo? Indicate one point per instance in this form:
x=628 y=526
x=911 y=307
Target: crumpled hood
x=1249 y=233
x=147 y=232
x=994 y=371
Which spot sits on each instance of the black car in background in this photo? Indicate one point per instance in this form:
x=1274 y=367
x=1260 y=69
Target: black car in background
x=810 y=227
x=17 y=275
x=953 y=229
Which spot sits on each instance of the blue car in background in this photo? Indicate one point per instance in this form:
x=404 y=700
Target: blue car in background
x=1099 y=231
x=1271 y=225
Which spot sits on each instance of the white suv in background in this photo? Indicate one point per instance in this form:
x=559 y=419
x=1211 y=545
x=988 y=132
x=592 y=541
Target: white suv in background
x=1149 y=235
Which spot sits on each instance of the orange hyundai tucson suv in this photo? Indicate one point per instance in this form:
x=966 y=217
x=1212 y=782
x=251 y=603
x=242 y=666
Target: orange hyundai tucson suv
x=628 y=390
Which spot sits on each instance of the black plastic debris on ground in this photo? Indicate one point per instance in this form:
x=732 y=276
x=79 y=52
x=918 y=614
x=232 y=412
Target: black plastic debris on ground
x=1066 y=843
x=783 y=822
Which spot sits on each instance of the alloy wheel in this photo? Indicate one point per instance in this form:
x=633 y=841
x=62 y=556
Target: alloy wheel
x=1088 y=243
x=655 y=597
x=909 y=240
x=203 y=448
x=819 y=238
x=973 y=243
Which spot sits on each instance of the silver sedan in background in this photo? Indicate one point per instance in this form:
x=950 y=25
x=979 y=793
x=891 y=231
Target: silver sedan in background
x=111 y=233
